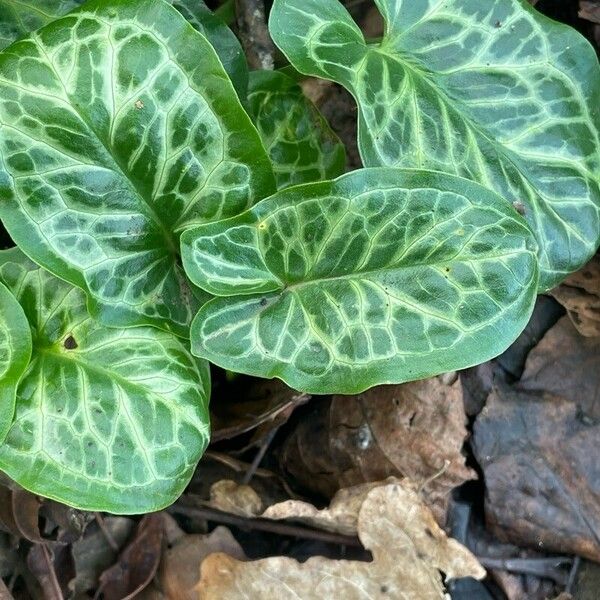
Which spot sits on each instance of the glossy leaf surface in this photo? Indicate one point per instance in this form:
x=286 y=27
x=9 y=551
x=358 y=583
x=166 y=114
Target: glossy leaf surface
x=120 y=128
x=19 y=17
x=382 y=276
x=491 y=91
x=302 y=146
x=15 y=352
x=221 y=37
x=106 y=419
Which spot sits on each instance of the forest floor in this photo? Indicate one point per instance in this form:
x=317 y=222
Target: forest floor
x=503 y=457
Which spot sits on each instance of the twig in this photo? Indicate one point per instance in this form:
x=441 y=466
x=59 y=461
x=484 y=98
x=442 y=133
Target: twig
x=216 y=516
x=259 y=456
x=547 y=568
x=254 y=34
x=270 y=415
x=573 y=575
x=107 y=534
x=51 y=572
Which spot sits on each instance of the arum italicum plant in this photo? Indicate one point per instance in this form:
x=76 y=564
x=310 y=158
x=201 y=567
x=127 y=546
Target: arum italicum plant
x=170 y=209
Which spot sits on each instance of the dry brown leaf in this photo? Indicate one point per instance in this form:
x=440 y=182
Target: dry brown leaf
x=415 y=430
x=409 y=551
x=340 y=517
x=580 y=292
x=566 y=364
x=589 y=10
x=235 y=498
x=138 y=563
x=541 y=472
x=180 y=565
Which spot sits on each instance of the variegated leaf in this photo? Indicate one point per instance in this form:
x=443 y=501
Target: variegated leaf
x=302 y=146
x=106 y=419
x=20 y=17
x=15 y=353
x=382 y=276
x=490 y=90
x=119 y=128
x=221 y=37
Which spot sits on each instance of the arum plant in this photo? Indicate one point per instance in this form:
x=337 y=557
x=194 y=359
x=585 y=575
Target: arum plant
x=171 y=209
x=492 y=91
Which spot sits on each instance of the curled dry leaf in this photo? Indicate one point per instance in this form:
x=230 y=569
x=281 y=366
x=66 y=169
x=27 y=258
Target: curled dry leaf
x=415 y=430
x=340 y=517
x=537 y=444
x=180 y=565
x=590 y=10
x=409 y=551
x=580 y=293
x=232 y=497
x=138 y=563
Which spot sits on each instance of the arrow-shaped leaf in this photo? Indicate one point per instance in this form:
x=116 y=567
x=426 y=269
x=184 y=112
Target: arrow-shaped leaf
x=119 y=129
x=15 y=352
x=106 y=419
x=382 y=276
x=491 y=90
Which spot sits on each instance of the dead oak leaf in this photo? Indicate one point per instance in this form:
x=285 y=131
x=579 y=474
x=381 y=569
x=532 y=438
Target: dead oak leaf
x=409 y=551
x=414 y=430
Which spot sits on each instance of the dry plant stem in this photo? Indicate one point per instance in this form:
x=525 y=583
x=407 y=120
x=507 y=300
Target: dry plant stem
x=573 y=575
x=546 y=568
x=57 y=592
x=254 y=34
x=216 y=516
x=109 y=538
x=231 y=432
x=259 y=455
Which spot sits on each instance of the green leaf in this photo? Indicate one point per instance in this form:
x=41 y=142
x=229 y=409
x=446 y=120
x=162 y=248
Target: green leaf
x=120 y=128
x=106 y=419
x=15 y=352
x=221 y=37
x=302 y=146
x=491 y=91
x=382 y=276
x=19 y=17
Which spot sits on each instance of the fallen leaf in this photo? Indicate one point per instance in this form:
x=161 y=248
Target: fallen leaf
x=235 y=498
x=539 y=458
x=409 y=551
x=138 y=563
x=415 y=430
x=93 y=554
x=52 y=565
x=340 y=517
x=589 y=10
x=566 y=364
x=580 y=292
x=180 y=565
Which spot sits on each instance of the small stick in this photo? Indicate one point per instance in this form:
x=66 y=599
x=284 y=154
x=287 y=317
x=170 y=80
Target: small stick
x=573 y=575
x=547 y=568
x=51 y=572
x=259 y=456
x=216 y=516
